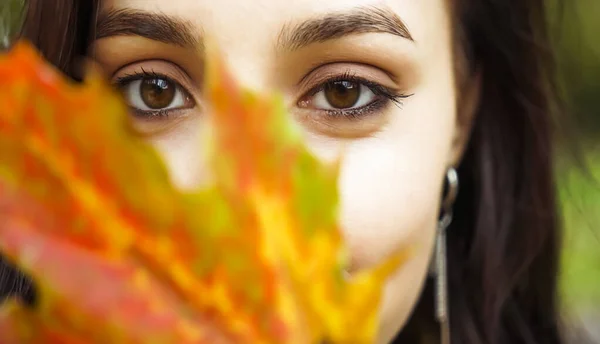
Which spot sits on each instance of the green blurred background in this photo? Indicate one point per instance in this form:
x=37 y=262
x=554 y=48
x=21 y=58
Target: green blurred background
x=576 y=35
x=579 y=177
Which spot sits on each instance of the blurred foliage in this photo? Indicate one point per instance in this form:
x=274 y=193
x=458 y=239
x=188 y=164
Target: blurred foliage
x=579 y=192
x=579 y=179
x=11 y=16
x=578 y=44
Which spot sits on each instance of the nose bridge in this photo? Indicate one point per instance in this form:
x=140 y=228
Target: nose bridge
x=250 y=69
x=246 y=44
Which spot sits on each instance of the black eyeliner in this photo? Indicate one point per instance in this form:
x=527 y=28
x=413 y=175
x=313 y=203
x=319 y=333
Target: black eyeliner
x=392 y=95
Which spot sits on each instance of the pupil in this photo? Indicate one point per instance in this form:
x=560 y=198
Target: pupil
x=342 y=94
x=157 y=93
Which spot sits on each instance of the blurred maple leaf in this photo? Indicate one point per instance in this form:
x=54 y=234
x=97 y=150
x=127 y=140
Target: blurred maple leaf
x=120 y=256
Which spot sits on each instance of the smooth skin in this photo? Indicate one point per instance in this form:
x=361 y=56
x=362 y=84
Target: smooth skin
x=396 y=152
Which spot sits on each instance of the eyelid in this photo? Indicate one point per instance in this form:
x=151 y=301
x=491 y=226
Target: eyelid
x=376 y=87
x=136 y=76
x=355 y=71
x=157 y=68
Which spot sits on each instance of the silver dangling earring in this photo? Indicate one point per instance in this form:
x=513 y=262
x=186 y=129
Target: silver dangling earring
x=440 y=260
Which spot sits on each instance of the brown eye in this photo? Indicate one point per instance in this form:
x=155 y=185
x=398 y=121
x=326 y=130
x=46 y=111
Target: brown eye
x=342 y=94
x=157 y=93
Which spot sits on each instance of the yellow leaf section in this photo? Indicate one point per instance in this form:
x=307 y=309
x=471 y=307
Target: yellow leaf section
x=333 y=309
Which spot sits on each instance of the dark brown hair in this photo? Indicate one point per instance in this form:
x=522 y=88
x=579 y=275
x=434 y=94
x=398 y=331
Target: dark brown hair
x=503 y=244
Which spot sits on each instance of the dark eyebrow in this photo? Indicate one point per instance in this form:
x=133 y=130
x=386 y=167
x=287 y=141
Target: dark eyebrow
x=335 y=25
x=154 y=26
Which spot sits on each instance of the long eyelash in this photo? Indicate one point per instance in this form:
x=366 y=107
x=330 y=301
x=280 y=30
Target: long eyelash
x=394 y=95
x=157 y=114
x=127 y=78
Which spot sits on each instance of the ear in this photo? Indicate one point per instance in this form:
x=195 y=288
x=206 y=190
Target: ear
x=468 y=100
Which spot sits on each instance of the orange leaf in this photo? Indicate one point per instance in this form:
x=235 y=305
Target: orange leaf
x=119 y=255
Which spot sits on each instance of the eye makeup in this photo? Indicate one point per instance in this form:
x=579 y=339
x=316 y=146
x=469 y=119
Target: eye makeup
x=153 y=95
x=348 y=99
x=381 y=96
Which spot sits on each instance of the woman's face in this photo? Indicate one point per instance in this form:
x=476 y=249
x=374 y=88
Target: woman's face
x=372 y=77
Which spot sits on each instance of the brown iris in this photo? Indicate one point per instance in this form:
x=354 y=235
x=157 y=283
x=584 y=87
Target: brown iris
x=342 y=94
x=157 y=93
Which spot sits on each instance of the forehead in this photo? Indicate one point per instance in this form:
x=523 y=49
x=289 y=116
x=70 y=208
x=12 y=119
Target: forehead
x=264 y=19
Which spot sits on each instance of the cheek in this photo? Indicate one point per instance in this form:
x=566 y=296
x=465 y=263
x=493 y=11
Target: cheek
x=385 y=200
x=389 y=198
x=390 y=184
x=390 y=194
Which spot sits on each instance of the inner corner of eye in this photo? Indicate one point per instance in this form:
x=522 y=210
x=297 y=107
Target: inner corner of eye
x=304 y=102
